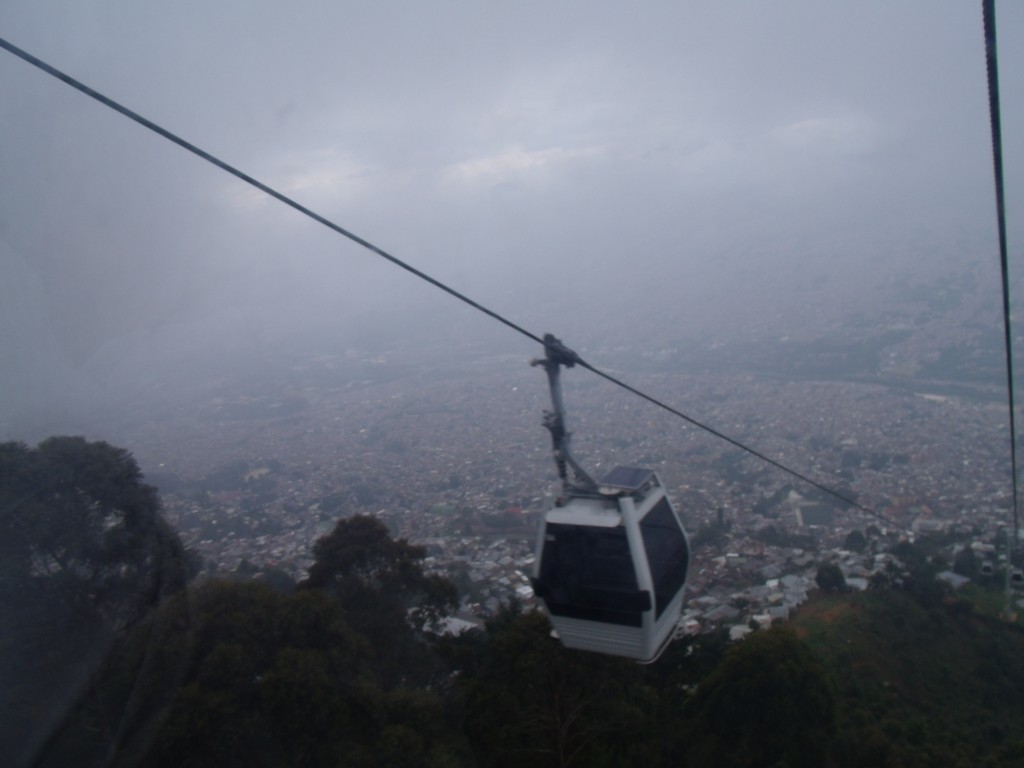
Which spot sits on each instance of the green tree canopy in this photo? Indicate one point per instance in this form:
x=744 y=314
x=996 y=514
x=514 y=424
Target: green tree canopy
x=359 y=560
x=389 y=599
x=78 y=525
x=241 y=674
x=855 y=541
x=271 y=679
x=830 y=578
x=769 y=702
x=84 y=553
x=533 y=702
x=965 y=562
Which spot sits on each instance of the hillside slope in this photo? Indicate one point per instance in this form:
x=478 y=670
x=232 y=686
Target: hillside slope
x=920 y=679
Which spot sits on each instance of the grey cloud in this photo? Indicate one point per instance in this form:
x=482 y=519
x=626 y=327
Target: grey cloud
x=537 y=156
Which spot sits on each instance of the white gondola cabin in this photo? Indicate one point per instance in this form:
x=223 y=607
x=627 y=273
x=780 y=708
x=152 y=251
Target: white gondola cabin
x=611 y=566
x=612 y=555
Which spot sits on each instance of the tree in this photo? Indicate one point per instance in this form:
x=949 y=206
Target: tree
x=78 y=523
x=830 y=578
x=273 y=679
x=966 y=563
x=855 y=541
x=84 y=553
x=381 y=583
x=769 y=702
x=241 y=674
x=359 y=562
x=531 y=701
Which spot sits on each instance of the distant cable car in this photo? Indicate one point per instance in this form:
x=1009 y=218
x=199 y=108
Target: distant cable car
x=612 y=556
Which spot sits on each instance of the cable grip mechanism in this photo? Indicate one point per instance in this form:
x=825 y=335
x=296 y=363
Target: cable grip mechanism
x=556 y=354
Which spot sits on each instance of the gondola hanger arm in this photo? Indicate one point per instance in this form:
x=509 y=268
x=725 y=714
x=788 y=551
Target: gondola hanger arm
x=556 y=354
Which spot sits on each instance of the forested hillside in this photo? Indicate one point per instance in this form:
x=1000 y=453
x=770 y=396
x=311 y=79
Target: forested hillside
x=109 y=658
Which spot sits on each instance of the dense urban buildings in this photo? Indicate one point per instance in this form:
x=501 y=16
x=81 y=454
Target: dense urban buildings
x=457 y=460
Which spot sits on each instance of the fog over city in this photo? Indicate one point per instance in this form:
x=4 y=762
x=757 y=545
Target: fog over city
x=668 y=181
x=267 y=498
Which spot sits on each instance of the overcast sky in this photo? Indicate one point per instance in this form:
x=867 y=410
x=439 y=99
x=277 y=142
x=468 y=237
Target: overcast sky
x=564 y=163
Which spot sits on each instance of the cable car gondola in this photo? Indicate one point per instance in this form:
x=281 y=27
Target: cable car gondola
x=612 y=555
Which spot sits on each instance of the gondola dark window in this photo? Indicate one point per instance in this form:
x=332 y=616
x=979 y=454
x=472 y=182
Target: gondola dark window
x=668 y=555
x=587 y=573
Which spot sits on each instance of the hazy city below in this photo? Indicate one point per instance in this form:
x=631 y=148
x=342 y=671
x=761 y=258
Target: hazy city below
x=900 y=406
x=777 y=219
x=787 y=234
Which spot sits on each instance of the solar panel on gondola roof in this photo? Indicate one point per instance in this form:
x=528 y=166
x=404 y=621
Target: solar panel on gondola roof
x=627 y=478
